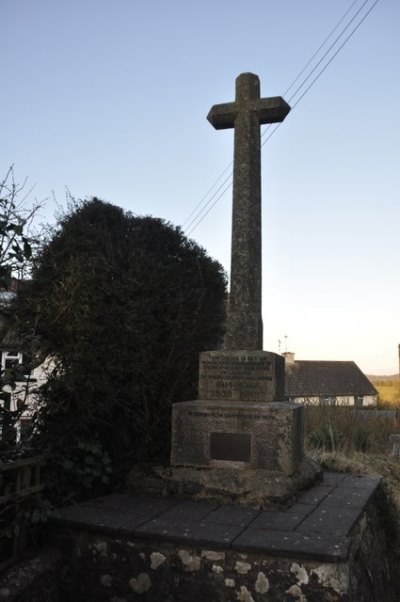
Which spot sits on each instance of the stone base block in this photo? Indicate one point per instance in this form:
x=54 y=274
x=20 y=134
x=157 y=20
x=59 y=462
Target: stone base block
x=261 y=489
x=241 y=436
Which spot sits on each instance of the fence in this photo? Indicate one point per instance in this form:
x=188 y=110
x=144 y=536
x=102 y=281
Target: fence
x=19 y=481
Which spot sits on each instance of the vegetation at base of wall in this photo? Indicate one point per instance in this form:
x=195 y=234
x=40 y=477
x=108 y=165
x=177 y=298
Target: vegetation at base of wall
x=123 y=304
x=367 y=464
x=348 y=429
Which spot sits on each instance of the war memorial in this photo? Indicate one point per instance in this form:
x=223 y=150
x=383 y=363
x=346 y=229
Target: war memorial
x=241 y=441
x=240 y=514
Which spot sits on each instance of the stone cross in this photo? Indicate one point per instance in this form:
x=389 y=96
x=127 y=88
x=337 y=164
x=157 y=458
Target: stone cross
x=245 y=115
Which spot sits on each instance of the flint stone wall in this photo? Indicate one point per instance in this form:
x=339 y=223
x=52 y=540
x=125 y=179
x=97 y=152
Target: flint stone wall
x=105 y=567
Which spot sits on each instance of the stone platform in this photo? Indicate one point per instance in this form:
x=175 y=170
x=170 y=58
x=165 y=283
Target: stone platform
x=129 y=545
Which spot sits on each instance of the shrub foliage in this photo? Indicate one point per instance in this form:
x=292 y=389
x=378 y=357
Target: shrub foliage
x=124 y=304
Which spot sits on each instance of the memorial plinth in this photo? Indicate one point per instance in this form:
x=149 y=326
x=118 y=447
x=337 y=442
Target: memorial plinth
x=241 y=441
x=244 y=452
x=254 y=435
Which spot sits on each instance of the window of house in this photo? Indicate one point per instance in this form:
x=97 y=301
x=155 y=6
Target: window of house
x=327 y=400
x=358 y=401
x=10 y=359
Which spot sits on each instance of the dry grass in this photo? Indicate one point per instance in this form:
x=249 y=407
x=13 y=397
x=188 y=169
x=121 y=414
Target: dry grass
x=369 y=464
x=337 y=432
x=347 y=429
x=389 y=391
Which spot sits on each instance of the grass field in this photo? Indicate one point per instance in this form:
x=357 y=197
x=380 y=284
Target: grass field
x=389 y=390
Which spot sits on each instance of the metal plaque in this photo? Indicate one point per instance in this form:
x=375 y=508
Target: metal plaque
x=234 y=447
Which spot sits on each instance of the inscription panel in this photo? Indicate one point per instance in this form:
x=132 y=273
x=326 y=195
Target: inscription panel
x=235 y=447
x=238 y=376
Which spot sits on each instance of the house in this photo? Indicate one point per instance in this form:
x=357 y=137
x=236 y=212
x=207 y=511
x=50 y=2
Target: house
x=327 y=383
x=22 y=393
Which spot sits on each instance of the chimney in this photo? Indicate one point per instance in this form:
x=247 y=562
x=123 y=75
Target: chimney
x=289 y=356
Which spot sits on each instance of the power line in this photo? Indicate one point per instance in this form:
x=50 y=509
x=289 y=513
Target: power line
x=321 y=60
x=320 y=47
x=336 y=53
x=324 y=68
x=206 y=195
x=214 y=203
x=203 y=212
x=196 y=217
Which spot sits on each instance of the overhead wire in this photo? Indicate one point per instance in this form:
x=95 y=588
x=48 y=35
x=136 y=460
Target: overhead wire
x=328 y=37
x=326 y=64
x=215 y=197
x=206 y=194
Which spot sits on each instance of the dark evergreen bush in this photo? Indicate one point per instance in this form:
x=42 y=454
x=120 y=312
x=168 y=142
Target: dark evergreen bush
x=124 y=304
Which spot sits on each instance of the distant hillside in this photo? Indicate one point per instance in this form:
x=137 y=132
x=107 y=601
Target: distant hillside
x=374 y=378
x=388 y=388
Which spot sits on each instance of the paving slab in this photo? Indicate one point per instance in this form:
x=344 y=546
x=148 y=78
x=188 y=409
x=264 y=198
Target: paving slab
x=277 y=521
x=360 y=482
x=233 y=515
x=315 y=495
x=189 y=511
x=347 y=497
x=331 y=520
x=193 y=533
x=332 y=478
x=317 y=526
x=300 y=509
x=91 y=519
x=289 y=543
x=107 y=517
x=115 y=500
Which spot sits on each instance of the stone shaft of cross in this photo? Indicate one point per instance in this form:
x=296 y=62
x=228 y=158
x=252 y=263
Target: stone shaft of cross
x=245 y=115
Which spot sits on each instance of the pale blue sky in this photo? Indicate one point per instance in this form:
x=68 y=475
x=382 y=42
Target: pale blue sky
x=110 y=98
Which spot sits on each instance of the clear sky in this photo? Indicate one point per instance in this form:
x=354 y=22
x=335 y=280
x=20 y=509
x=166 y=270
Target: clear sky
x=109 y=98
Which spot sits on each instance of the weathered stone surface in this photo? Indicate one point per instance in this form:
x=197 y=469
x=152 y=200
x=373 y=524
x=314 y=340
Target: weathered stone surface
x=277 y=521
x=302 y=528
x=282 y=543
x=274 y=433
x=347 y=497
x=241 y=375
x=228 y=426
x=256 y=488
x=314 y=495
x=188 y=510
x=335 y=521
x=233 y=515
x=122 y=517
x=35 y=579
x=167 y=559
x=359 y=482
x=201 y=533
x=333 y=478
x=244 y=326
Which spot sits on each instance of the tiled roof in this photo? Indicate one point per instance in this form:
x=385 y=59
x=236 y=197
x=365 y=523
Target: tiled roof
x=314 y=378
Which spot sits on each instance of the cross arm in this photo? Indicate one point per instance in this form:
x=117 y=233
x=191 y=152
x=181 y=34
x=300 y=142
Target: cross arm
x=223 y=116
x=272 y=110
